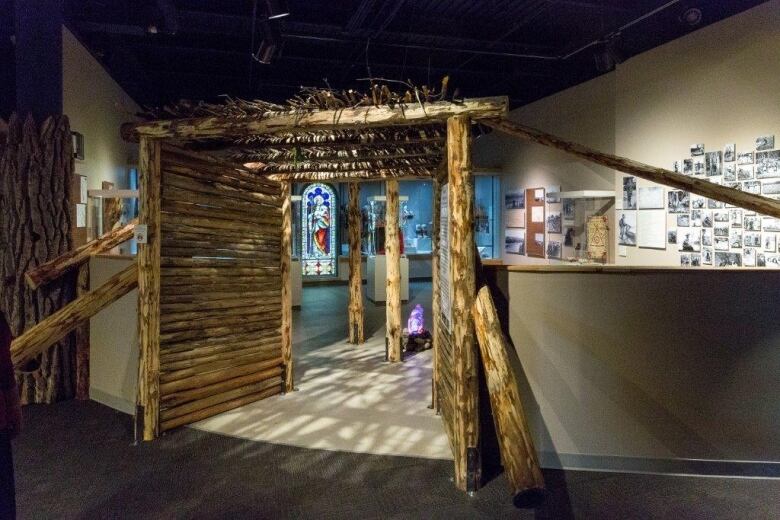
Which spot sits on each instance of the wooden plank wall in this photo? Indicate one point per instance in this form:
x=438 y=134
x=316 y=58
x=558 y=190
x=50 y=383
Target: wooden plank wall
x=220 y=296
x=445 y=380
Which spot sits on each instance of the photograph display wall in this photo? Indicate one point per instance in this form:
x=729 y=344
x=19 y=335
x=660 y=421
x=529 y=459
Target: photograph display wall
x=707 y=233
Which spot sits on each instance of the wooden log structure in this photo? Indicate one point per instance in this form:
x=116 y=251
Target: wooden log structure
x=149 y=287
x=393 y=258
x=518 y=454
x=435 y=294
x=463 y=289
x=290 y=121
x=286 y=296
x=356 y=334
x=741 y=199
x=56 y=267
x=52 y=329
x=82 y=338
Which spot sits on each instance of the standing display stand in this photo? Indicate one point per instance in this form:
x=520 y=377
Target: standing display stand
x=376 y=278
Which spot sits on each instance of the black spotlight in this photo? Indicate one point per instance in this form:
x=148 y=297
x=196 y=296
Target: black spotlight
x=276 y=9
x=607 y=56
x=691 y=17
x=269 y=44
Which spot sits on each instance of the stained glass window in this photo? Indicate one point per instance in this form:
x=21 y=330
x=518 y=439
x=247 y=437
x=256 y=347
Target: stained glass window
x=319 y=219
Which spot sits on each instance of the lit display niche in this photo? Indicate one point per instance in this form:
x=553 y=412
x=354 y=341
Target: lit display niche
x=318 y=232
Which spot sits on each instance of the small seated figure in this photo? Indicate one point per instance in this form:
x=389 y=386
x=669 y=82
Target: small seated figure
x=417 y=338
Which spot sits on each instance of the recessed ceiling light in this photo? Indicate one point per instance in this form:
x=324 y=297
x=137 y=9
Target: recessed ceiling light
x=691 y=16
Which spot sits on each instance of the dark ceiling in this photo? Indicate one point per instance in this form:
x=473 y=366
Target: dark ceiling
x=526 y=49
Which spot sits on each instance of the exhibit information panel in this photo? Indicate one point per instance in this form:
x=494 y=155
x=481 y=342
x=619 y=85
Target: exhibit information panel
x=445 y=300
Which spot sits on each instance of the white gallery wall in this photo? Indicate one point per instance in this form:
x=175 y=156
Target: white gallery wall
x=715 y=86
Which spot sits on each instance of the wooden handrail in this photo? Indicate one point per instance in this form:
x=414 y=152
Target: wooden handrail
x=55 y=268
x=741 y=199
x=41 y=336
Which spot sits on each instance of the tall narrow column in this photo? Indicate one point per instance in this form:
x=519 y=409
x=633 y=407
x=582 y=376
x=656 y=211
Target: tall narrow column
x=285 y=266
x=393 y=259
x=149 y=286
x=435 y=297
x=462 y=276
x=355 y=274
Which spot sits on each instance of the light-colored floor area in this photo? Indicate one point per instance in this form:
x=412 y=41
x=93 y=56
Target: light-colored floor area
x=348 y=398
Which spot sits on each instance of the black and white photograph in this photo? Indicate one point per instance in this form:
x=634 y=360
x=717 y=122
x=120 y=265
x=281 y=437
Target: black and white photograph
x=568 y=209
x=721 y=244
x=554 y=224
x=568 y=237
x=651 y=197
x=514 y=241
x=745 y=158
x=685 y=260
x=695 y=260
x=771 y=224
x=715 y=204
x=760 y=259
x=688 y=240
x=697 y=218
x=671 y=236
x=735 y=239
x=514 y=199
x=721 y=216
x=730 y=152
x=553 y=194
x=753 y=187
x=553 y=249
x=744 y=173
x=752 y=223
x=677 y=166
x=687 y=167
x=765 y=142
x=771 y=188
x=627 y=228
x=698 y=166
x=698 y=202
x=713 y=163
x=706 y=237
x=769 y=243
x=706 y=219
x=721 y=230
x=683 y=220
x=679 y=201
x=768 y=164
x=728 y=260
x=651 y=229
x=697 y=149
x=706 y=256
x=730 y=172
x=629 y=192
x=749 y=257
x=751 y=239
x=735 y=217
x=773 y=261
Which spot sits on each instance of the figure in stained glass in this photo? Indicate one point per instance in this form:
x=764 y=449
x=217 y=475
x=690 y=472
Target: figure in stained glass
x=318 y=236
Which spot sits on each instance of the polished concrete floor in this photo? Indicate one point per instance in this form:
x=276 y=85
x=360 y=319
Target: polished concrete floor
x=348 y=397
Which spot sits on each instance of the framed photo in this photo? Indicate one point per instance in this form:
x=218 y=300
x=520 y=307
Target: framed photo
x=678 y=201
x=730 y=152
x=697 y=149
x=745 y=158
x=768 y=164
x=627 y=228
x=651 y=197
x=765 y=142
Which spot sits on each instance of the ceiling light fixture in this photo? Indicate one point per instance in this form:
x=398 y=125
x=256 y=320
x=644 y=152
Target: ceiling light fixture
x=269 y=43
x=276 y=9
x=691 y=16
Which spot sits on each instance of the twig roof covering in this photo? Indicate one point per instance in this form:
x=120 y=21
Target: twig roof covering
x=340 y=152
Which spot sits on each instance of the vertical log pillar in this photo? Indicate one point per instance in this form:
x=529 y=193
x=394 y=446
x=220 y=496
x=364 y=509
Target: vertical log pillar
x=82 y=339
x=149 y=287
x=393 y=258
x=435 y=297
x=462 y=276
x=286 y=262
x=356 y=336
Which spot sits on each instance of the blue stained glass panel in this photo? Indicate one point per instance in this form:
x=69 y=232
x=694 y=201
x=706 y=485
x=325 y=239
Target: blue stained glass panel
x=319 y=219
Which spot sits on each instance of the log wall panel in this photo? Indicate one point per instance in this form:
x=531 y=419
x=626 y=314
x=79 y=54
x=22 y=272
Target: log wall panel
x=220 y=324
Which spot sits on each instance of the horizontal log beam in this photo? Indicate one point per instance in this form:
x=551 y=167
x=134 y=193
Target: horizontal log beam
x=400 y=174
x=741 y=199
x=55 y=268
x=361 y=117
x=335 y=150
x=41 y=336
x=427 y=160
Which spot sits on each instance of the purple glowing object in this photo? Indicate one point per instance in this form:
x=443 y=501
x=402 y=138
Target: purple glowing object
x=416 y=323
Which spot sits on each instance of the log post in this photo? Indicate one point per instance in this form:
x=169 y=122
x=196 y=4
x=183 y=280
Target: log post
x=286 y=262
x=435 y=302
x=518 y=454
x=149 y=286
x=462 y=276
x=82 y=339
x=355 y=274
x=49 y=331
x=393 y=258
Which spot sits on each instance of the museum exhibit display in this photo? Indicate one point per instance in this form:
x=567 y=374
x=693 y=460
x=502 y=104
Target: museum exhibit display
x=508 y=247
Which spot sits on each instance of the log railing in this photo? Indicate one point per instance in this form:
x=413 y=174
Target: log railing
x=41 y=336
x=55 y=268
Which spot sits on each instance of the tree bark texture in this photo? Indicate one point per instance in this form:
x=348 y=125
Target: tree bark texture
x=356 y=336
x=393 y=252
x=36 y=172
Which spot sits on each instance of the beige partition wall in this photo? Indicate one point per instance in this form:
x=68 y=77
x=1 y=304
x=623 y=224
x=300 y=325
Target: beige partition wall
x=220 y=300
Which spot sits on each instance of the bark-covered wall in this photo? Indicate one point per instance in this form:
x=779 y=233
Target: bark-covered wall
x=36 y=169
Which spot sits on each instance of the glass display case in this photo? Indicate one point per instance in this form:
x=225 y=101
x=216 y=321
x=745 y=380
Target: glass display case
x=487 y=199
